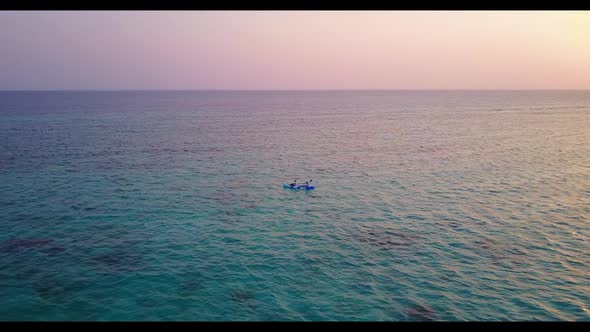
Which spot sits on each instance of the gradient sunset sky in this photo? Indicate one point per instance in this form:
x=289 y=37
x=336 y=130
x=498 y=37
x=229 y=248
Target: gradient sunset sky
x=295 y=50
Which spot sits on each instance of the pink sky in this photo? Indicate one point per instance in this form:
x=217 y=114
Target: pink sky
x=295 y=50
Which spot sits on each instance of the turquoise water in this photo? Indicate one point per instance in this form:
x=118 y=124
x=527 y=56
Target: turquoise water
x=444 y=206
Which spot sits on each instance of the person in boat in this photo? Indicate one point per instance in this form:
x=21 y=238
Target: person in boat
x=292 y=185
x=306 y=184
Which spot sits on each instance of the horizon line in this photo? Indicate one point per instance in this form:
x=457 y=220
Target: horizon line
x=277 y=90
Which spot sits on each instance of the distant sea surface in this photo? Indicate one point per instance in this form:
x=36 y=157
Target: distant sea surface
x=169 y=205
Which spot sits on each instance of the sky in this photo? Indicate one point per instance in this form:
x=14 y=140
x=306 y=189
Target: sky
x=301 y=50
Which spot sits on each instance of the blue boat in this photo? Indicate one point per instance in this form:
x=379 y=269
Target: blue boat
x=298 y=187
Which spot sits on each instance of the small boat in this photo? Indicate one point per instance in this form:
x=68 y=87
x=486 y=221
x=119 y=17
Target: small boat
x=298 y=187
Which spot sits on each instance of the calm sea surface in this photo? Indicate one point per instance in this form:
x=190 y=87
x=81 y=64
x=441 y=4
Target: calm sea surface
x=169 y=205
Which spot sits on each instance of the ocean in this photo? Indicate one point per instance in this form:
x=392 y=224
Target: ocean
x=169 y=205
